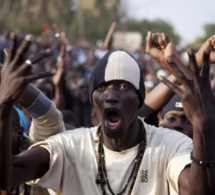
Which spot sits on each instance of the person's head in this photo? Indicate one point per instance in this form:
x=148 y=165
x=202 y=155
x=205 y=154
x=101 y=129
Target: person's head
x=173 y=117
x=117 y=92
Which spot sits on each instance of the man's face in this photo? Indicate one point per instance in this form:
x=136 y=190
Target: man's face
x=178 y=121
x=116 y=104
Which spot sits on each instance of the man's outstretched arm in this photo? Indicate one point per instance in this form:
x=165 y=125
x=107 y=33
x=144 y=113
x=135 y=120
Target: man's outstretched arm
x=15 y=76
x=199 y=106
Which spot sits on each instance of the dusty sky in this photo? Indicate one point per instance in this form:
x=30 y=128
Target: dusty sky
x=187 y=16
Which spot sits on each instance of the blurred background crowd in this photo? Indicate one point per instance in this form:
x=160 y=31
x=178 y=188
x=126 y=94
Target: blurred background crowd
x=86 y=24
x=90 y=28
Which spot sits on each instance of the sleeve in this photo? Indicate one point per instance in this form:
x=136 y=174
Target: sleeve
x=52 y=178
x=179 y=158
x=149 y=115
x=47 y=120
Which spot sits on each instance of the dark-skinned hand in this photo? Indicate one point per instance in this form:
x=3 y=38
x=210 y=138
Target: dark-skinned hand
x=16 y=72
x=160 y=47
x=196 y=93
x=208 y=44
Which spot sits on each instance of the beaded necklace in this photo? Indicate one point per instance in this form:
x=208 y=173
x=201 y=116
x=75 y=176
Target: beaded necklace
x=102 y=178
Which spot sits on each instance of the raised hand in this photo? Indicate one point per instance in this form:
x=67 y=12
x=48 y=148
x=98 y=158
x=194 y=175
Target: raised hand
x=196 y=94
x=58 y=79
x=199 y=106
x=160 y=47
x=208 y=44
x=16 y=72
x=60 y=59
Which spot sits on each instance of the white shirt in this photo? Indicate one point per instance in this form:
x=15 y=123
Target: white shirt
x=73 y=163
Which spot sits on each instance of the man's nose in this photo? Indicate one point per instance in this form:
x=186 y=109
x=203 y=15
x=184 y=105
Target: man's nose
x=112 y=94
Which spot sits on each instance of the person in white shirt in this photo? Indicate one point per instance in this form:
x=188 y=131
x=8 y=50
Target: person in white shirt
x=123 y=155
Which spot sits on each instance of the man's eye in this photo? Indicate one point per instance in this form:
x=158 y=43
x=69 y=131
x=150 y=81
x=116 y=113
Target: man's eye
x=124 y=86
x=171 y=119
x=101 y=87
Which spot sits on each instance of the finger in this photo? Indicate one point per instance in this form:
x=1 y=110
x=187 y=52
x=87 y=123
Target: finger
x=212 y=40
x=192 y=62
x=40 y=56
x=155 y=40
x=6 y=56
x=24 y=69
x=176 y=71
x=38 y=76
x=187 y=72
x=148 y=41
x=22 y=50
x=205 y=70
x=171 y=85
x=160 y=41
x=166 y=39
x=13 y=46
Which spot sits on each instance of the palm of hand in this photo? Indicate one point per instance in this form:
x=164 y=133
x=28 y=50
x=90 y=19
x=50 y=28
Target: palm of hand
x=16 y=72
x=12 y=84
x=162 y=54
x=194 y=91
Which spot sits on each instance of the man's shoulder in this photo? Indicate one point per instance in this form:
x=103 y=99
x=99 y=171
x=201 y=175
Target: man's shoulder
x=78 y=133
x=165 y=135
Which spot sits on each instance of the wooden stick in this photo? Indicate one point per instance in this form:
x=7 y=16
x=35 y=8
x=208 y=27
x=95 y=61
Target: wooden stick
x=109 y=36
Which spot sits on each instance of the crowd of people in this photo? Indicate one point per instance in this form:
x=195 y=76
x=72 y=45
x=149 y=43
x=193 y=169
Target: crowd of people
x=86 y=121
x=79 y=61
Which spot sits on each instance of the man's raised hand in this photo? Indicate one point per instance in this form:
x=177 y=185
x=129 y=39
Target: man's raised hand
x=16 y=72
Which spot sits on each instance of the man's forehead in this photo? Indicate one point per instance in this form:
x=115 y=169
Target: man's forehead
x=119 y=81
x=179 y=113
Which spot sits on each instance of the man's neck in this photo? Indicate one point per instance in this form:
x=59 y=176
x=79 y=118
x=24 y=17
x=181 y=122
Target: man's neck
x=131 y=139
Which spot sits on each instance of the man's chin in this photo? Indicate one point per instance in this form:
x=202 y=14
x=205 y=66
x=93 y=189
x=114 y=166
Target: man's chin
x=113 y=134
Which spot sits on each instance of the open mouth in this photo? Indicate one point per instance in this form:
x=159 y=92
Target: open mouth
x=113 y=118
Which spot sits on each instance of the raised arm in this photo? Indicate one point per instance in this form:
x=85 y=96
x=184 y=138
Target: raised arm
x=15 y=76
x=37 y=104
x=59 y=98
x=199 y=107
x=30 y=93
x=160 y=46
x=209 y=43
